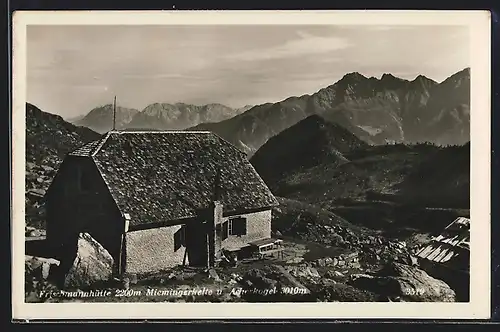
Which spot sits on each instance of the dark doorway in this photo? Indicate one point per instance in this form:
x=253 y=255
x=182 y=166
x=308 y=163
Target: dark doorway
x=196 y=243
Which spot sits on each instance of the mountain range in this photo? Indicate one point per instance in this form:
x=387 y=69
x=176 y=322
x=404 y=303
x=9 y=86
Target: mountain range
x=378 y=111
x=100 y=119
x=157 y=116
x=315 y=161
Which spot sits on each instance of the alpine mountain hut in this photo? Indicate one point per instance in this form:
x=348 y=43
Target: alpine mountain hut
x=157 y=199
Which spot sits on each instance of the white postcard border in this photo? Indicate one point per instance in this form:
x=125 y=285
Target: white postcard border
x=477 y=308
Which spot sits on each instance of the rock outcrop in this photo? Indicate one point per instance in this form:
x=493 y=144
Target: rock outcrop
x=401 y=282
x=92 y=264
x=37 y=271
x=38 y=268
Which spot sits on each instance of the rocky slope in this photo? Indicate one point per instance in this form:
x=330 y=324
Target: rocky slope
x=446 y=118
x=251 y=129
x=48 y=139
x=100 y=119
x=378 y=111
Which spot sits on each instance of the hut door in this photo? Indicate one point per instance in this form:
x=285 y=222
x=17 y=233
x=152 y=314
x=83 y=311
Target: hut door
x=196 y=243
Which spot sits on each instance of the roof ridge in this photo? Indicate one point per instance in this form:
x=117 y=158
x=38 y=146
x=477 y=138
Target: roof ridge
x=227 y=142
x=88 y=146
x=121 y=132
x=100 y=145
x=159 y=132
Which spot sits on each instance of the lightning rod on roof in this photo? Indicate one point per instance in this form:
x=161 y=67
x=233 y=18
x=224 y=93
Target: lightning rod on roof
x=114 y=114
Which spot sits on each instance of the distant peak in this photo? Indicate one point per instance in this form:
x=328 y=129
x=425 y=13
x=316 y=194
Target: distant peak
x=422 y=78
x=315 y=118
x=109 y=107
x=105 y=106
x=159 y=105
x=353 y=75
x=390 y=77
x=464 y=73
x=387 y=75
x=319 y=122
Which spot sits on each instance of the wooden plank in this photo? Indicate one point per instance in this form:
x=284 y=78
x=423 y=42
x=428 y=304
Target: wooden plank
x=271 y=251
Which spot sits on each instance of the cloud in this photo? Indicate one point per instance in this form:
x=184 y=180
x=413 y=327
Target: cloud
x=160 y=76
x=234 y=65
x=307 y=44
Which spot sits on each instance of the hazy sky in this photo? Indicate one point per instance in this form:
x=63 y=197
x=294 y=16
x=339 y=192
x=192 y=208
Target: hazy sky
x=72 y=69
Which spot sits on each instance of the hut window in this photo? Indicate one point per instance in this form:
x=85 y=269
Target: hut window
x=225 y=230
x=237 y=226
x=179 y=238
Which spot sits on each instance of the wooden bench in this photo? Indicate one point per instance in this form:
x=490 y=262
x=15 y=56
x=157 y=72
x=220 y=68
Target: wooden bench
x=265 y=247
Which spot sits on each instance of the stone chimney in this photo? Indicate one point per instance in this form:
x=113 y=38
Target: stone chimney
x=215 y=234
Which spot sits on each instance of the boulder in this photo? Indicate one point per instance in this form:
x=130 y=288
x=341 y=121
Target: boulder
x=414 y=260
x=212 y=274
x=407 y=282
x=327 y=282
x=33 y=232
x=36 y=194
x=48 y=169
x=38 y=267
x=259 y=278
x=92 y=264
x=325 y=261
x=131 y=277
x=336 y=240
x=303 y=272
x=351 y=256
x=295 y=260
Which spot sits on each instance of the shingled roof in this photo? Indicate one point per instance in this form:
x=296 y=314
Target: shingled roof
x=170 y=175
x=451 y=247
